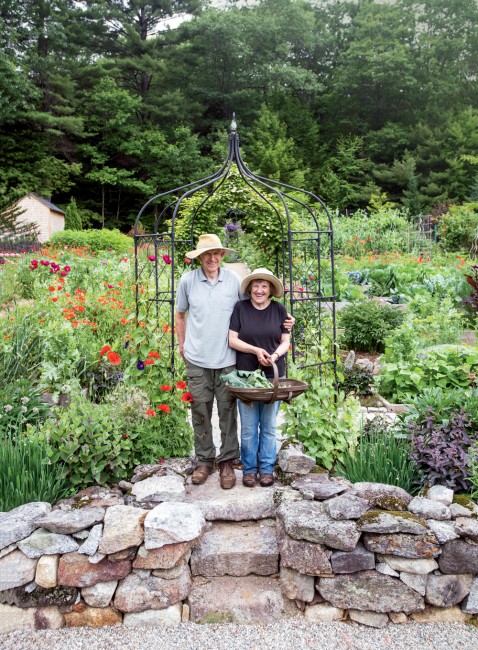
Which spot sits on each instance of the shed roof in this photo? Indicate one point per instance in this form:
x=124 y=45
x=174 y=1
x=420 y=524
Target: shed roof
x=48 y=204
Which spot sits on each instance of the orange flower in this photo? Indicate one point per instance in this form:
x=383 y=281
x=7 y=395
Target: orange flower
x=181 y=385
x=165 y=327
x=104 y=350
x=124 y=321
x=142 y=324
x=54 y=299
x=149 y=362
x=151 y=413
x=59 y=288
x=41 y=320
x=114 y=358
x=164 y=408
x=51 y=289
x=166 y=387
x=80 y=308
x=154 y=355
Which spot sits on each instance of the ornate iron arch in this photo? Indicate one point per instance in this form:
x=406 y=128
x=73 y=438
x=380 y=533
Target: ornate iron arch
x=303 y=259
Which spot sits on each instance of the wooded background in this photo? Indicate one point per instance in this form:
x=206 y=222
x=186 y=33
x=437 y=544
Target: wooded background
x=361 y=102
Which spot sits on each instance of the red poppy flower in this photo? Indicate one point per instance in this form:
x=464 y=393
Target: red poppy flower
x=166 y=387
x=164 y=408
x=51 y=289
x=104 y=350
x=151 y=413
x=154 y=355
x=114 y=358
x=149 y=362
x=54 y=299
x=187 y=397
x=124 y=436
x=181 y=385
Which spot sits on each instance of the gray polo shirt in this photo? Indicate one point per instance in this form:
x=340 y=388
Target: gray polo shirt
x=209 y=306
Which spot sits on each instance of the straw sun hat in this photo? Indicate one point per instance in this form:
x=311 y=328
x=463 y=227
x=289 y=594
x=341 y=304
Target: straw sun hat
x=263 y=274
x=208 y=243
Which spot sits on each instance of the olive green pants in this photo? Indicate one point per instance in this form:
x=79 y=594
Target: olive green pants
x=204 y=385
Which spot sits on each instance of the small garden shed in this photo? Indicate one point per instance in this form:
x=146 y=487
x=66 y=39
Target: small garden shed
x=41 y=212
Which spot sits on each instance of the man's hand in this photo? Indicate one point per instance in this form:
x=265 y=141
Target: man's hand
x=289 y=322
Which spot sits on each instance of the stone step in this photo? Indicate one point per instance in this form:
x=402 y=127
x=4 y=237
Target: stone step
x=238 y=504
x=236 y=549
x=251 y=599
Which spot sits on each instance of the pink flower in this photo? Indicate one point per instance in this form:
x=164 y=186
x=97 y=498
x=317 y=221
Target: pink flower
x=187 y=260
x=152 y=258
x=167 y=259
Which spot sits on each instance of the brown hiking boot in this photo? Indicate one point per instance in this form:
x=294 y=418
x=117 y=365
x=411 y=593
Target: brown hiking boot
x=249 y=480
x=227 y=475
x=266 y=480
x=201 y=473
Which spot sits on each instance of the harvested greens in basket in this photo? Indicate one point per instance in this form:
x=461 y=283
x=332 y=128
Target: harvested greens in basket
x=246 y=379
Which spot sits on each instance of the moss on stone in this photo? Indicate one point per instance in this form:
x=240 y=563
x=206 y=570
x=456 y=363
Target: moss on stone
x=464 y=501
x=373 y=516
x=217 y=617
x=390 y=503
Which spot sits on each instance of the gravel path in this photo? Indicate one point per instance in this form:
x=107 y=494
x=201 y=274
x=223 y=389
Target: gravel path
x=287 y=634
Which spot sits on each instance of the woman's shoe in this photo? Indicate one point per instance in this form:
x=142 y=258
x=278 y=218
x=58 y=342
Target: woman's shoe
x=266 y=480
x=249 y=480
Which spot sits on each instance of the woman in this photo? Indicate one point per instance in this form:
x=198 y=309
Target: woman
x=258 y=334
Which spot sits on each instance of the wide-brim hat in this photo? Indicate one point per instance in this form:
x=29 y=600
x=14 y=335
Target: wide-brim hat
x=263 y=274
x=206 y=243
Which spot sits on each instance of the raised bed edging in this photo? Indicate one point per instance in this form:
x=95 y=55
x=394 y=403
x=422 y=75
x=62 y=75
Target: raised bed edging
x=159 y=551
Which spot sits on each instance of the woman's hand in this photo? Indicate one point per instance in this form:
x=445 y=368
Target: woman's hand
x=289 y=322
x=263 y=357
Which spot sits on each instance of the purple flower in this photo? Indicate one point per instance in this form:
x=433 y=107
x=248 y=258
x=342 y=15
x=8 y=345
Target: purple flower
x=167 y=259
x=126 y=345
x=231 y=227
x=140 y=365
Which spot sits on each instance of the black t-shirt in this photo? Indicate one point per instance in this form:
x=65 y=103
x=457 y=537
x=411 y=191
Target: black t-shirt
x=262 y=328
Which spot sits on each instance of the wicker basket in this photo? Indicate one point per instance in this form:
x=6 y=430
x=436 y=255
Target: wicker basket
x=281 y=389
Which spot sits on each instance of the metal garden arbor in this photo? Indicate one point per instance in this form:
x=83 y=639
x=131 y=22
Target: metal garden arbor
x=290 y=229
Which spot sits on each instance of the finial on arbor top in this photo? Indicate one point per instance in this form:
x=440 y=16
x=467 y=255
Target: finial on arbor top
x=233 y=123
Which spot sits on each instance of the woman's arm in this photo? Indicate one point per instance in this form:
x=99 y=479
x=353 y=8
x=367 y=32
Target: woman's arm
x=280 y=350
x=236 y=344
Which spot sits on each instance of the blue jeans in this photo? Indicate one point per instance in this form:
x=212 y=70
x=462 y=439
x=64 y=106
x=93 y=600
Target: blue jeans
x=258 y=437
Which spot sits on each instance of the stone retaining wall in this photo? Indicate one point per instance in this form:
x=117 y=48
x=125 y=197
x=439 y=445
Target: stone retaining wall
x=158 y=551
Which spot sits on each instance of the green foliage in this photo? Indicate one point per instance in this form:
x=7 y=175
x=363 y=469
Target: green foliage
x=458 y=228
x=445 y=366
x=366 y=324
x=21 y=404
x=72 y=216
x=86 y=438
x=94 y=240
x=325 y=421
x=26 y=473
x=382 y=456
x=356 y=381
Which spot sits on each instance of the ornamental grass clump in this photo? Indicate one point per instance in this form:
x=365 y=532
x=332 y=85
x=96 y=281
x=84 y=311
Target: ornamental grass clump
x=27 y=474
x=382 y=456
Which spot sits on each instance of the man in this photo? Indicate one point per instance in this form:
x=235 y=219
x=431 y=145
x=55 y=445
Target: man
x=208 y=294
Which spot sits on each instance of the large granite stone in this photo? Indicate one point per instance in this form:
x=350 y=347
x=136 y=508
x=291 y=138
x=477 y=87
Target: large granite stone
x=21 y=522
x=421 y=566
x=76 y=570
x=42 y=542
x=297 y=586
x=66 y=522
x=387 y=497
x=166 y=557
x=470 y=604
x=467 y=527
x=92 y=542
x=42 y=618
x=293 y=460
x=154 y=617
x=444 y=531
x=140 y=591
x=441 y=494
x=429 y=509
x=123 y=528
x=100 y=594
x=378 y=521
x=447 y=590
x=352 y=561
x=251 y=599
x=239 y=504
x=369 y=590
x=46 y=571
x=309 y=520
x=157 y=489
x=346 y=506
x=402 y=544
x=236 y=550
x=93 y=617
x=306 y=557
x=172 y=523
x=318 y=485
x=16 y=569
x=458 y=557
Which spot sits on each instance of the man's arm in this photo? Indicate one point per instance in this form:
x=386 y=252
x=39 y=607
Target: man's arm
x=180 y=319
